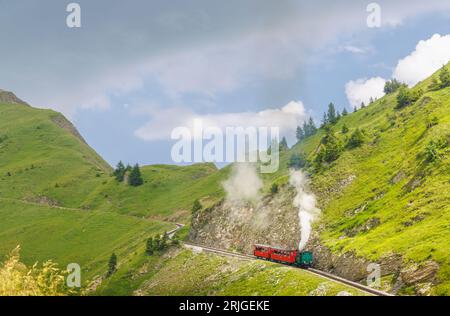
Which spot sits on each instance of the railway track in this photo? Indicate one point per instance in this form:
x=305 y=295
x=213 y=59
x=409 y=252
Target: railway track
x=320 y=273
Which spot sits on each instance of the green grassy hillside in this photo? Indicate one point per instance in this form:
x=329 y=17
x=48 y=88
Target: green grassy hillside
x=72 y=236
x=43 y=159
x=183 y=272
x=388 y=184
x=59 y=201
x=168 y=192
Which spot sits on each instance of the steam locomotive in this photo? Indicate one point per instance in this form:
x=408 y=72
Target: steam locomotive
x=298 y=258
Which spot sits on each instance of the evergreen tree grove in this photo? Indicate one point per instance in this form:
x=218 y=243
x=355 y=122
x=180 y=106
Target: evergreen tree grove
x=135 y=178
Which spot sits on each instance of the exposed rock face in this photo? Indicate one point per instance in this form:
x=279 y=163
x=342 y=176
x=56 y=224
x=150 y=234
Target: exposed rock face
x=64 y=123
x=10 y=98
x=273 y=220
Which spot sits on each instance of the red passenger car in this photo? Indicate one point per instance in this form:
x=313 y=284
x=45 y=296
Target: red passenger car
x=262 y=251
x=283 y=255
x=302 y=259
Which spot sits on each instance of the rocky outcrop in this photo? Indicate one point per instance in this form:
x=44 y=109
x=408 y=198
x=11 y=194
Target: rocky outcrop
x=274 y=221
x=10 y=98
x=64 y=123
x=237 y=226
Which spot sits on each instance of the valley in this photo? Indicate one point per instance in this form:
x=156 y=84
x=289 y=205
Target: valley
x=384 y=201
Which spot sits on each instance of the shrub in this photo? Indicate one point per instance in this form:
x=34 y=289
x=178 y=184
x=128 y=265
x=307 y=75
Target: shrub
x=444 y=76
x=436 y=149
x=274 y=188
x=197 y=206
x=330 y=150
x=16 y=279
x=112 y=264
x=344 y=129
x=297 y=161
x=356 y=139
x=392 y=86
x=407 y=97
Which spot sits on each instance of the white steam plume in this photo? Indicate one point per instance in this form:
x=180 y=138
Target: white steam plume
x=306 y=203
x=244 y=183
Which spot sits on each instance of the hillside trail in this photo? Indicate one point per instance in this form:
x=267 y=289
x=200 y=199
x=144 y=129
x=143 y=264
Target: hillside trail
x=169 y=233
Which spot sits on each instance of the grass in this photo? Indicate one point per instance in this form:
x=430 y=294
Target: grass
x=387 y=179
x=168 y=192
x=68 y=236
x=185 y=273
x=392 y=182
x=59 y=201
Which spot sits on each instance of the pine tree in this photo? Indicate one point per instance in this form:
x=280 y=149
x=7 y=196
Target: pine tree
x=312 y=127
x=325 y=120
x=135 y=178
x=112 y=264
x=283 y=144
x=355 y=109
x=344 y=112
x=300 y=134
x=363 y=105
x=331 y=115
x=392 y=86
x=119 y=172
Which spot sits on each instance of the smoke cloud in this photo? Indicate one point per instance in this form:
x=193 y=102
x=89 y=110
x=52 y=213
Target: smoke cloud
x=244 y=183
x=306 y=203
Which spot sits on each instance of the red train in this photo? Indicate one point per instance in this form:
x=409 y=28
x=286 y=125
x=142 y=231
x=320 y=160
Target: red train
x=292 y=257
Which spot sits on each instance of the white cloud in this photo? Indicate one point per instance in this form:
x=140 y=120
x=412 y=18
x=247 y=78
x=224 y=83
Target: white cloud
x=354 y=49
x=163 y=121
x=187 y=49
x=362 y=90
x=427 y=58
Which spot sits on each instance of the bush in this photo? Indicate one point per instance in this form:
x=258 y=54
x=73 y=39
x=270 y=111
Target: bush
x=407 y=97
x=297 y=161
x=356 y=139
x=149 y=247
x=330 y=149
x=344 y=129
x=436 y=149
x=274 y=188
x=197 y=206
x=392 y=86
x=16 y=279
x=112 y=264
x=444 y=76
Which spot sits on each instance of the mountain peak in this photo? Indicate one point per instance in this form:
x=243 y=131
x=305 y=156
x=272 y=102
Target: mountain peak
x=11 y=98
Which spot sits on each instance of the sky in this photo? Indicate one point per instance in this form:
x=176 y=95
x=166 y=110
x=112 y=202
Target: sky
x=136 y=70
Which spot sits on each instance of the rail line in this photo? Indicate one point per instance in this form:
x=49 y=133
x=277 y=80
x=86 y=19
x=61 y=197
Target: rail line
x=309 y=270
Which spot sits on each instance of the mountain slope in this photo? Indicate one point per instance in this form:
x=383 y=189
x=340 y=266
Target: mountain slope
x=384 y=201
x=44 y=159
x=53 y=188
